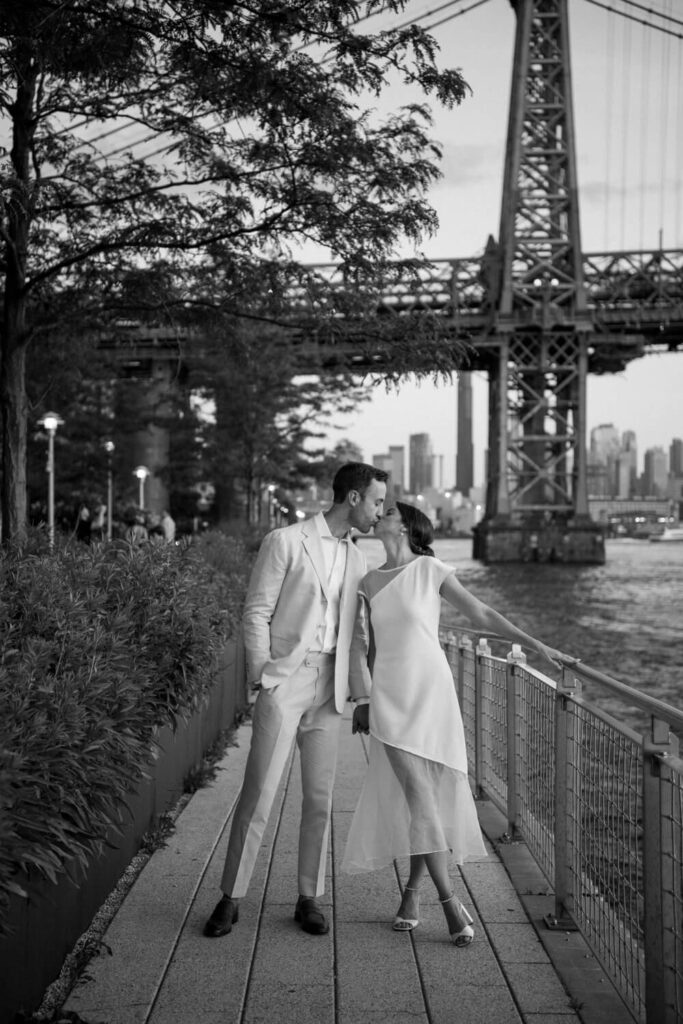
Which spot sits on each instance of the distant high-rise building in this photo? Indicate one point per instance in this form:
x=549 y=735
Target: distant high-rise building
x=420 y=449
x=383 y=462
x=605 y=446
x=392 y=462
x=464 y=457
x=676 y=457
x=398 y=472
x=627 y=465
x=605 y=441
x=437 y=471
x=655 y=472
x=596 y=477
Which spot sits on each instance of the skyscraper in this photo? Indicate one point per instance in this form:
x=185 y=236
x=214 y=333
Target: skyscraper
x=464 y=457
x=605 y=445
x=420 y=454
x=398 y=462
x=383 y=461
x=628 y=465
x=392 y=463
x=605 y=442
x=655 y=472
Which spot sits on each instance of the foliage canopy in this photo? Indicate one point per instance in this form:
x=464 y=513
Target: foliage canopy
x=168 y=158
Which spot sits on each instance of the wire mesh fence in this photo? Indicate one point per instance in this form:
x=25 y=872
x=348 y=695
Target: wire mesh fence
x=599 y=806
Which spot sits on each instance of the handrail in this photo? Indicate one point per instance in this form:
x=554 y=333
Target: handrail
x=666 y=712
x=599 y=805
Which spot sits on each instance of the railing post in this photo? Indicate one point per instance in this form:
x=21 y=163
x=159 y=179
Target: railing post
x=482 y=681
x=449 y=643
x=462 y=645
x=564 y=803
x=516 y=657
x=466 y=656
x=656 y=745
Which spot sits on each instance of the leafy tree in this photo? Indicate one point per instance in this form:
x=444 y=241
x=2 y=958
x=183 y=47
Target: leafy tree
x=68 y=374
x=325 y=466
x=98 y=403
x=267 y=424
x=167 y=157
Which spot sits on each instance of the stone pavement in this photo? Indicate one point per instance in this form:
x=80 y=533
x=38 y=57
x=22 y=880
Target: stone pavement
x=160 y=969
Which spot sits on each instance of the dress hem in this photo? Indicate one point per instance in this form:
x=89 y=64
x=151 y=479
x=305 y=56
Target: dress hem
x=379 y=863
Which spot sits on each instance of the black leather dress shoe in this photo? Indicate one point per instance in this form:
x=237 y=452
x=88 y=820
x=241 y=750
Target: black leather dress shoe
x=226 y=913
x=310 y=916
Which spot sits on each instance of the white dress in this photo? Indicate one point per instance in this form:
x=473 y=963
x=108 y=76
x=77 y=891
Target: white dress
x=416 y=797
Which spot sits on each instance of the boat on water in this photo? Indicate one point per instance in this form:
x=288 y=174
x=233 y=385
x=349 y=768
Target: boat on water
x=670 y=534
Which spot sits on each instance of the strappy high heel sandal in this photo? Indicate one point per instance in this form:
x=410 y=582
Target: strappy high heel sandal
x=405 y=924
x=465 y=935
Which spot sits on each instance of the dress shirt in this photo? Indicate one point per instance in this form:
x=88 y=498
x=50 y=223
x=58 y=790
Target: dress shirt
x=334 y=553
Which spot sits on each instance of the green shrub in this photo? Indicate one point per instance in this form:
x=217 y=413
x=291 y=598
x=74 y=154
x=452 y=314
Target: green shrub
x=99 y=646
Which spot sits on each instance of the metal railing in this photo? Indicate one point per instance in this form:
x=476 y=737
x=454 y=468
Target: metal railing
x=599 y=806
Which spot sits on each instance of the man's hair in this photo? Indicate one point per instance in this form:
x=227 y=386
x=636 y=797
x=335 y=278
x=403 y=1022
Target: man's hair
x=355 y=476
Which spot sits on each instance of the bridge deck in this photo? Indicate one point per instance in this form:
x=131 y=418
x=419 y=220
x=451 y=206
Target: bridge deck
x=162 y=970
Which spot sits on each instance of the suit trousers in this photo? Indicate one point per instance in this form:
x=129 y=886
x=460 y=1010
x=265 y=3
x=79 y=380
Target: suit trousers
x=302 y=707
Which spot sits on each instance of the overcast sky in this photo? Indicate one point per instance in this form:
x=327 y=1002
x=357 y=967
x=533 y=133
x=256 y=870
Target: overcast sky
x=628 y=97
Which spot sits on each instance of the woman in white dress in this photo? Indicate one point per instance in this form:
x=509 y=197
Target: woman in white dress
x=416 y=800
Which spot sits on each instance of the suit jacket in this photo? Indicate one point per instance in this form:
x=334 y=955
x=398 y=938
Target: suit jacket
x=286 y=603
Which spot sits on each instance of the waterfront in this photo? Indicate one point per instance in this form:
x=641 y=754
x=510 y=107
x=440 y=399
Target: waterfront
x=624 y=618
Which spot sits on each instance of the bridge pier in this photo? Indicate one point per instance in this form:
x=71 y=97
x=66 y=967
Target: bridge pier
x=576 y=541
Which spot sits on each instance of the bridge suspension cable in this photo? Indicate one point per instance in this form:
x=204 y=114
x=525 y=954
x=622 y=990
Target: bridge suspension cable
x=651 y=10
x=641 y=21
x=167 y=147
x=417 y=20
x=643 y=129
x=664 y=79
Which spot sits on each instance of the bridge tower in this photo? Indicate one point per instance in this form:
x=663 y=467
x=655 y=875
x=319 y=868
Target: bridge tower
x=536 y=503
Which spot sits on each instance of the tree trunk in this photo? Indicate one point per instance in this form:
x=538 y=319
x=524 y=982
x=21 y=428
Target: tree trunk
x=14 y=423
x=18 y=214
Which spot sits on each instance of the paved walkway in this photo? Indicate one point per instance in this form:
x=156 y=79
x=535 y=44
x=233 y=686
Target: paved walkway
x=161 y=970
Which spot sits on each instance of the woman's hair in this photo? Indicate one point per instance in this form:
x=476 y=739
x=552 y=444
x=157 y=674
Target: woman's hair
x=355 y=476
x=419 y=527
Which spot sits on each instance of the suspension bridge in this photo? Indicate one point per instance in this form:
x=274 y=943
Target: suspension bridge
x=538 y=313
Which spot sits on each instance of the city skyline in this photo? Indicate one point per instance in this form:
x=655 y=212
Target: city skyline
x=626 y=440
x=389 y=418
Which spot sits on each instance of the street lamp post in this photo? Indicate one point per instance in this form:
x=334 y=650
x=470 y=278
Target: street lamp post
x=50 y=421
x=141 y=472
x=109 y=447
x=271 y=505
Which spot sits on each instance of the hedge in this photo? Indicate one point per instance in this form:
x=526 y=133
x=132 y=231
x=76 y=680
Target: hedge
x=99 y=648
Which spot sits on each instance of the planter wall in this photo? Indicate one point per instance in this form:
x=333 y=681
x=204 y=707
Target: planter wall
x=44 y=928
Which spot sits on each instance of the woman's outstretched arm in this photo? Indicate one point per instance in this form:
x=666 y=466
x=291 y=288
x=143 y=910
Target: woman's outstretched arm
x=487 y=619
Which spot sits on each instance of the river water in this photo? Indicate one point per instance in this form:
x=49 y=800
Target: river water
x=624 y=618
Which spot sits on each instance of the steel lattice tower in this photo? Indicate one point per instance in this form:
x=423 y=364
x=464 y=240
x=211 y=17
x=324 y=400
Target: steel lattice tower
x=537 y=501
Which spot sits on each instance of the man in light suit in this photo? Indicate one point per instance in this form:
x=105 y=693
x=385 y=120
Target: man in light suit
x=298 y=622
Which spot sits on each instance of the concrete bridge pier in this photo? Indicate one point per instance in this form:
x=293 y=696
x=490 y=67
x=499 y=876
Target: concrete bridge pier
x=503 y=539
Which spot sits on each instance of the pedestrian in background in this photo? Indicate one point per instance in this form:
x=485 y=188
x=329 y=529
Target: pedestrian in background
x=168 y=526
x=155 y=530
x=98 y=526
x=136 y=532
x=83 y=525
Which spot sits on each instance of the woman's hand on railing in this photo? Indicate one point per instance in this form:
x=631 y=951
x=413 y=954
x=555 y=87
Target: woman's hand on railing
x=558 y=659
